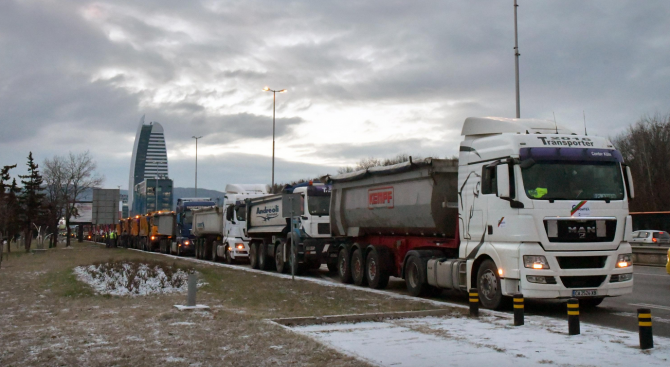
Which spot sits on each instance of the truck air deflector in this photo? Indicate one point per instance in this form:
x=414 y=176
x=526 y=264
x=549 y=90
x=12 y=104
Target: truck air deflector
x=570 y=154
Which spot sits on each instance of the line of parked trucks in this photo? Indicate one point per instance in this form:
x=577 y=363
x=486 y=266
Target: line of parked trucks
x=528 y=207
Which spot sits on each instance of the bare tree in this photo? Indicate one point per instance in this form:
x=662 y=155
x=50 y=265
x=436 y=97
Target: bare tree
x=80 y=176
x=4 y=202
x=645 y=147
x=55 y=177
x=369 y=162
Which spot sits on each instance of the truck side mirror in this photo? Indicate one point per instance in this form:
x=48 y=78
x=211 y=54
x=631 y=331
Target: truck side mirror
x=502 y=180
x=629 y=179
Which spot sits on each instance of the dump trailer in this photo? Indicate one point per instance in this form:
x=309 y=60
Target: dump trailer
x=207 y=229
x=529 y=207
x=133 y=238
x=379 y=216
x=185 y=239
x=220 y=231
x=271 y=241
x=166 y=228
x=144 y=232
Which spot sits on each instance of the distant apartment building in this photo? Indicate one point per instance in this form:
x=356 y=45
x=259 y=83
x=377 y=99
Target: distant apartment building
x=153 y=195
x=149 y=158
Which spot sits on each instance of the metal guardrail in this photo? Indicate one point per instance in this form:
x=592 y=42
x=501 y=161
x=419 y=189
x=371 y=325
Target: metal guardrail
x=650 y=255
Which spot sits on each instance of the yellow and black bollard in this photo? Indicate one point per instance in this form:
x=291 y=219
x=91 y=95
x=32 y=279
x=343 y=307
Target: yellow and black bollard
x=573 y=316
x=518 y=309
x=474 y=302
x=644 y=322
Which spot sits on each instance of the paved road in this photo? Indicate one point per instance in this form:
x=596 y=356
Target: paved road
x=651 y=290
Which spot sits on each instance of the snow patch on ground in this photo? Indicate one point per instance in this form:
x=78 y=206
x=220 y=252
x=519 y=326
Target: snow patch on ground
x=132 y=279
x=434 y=341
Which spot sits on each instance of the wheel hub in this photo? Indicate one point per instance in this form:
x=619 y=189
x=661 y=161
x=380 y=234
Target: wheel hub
x=489 y=285
x=372 y=269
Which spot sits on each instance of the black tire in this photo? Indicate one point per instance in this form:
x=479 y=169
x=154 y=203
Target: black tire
x=253 y=255
x=377 y=268
x=263 y=257
x=229 y=257
x=207 y=250
x=489 y=286
x=591 y=302
x=215 y=257
x=415 y=277
x=358 y=267
x=344 y=266
x=279 y=259
x=299 y=268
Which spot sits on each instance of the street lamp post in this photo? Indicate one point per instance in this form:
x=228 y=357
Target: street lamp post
x=274 y=100
x=196 y=163
x=516 y=63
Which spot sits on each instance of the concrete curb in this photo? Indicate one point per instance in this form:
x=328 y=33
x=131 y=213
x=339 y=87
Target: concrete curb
x=353 y=318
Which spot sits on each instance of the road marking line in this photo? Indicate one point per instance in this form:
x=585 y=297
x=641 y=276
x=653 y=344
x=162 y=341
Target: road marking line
x=666 y=308
x=653 y=275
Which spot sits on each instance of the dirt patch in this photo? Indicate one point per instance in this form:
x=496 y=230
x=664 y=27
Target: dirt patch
x=49 y=318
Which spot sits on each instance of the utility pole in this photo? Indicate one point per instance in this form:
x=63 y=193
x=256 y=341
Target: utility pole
x=516 y=61
x=196 y=163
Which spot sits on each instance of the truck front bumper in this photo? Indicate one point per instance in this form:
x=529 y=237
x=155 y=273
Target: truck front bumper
x=239 y=250
x=570 y=281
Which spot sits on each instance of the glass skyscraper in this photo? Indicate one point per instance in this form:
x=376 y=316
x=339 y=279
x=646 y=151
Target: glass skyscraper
x=149 y=158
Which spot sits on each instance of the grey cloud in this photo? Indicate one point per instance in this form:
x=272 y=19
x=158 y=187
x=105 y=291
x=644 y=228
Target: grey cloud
x=605 y=57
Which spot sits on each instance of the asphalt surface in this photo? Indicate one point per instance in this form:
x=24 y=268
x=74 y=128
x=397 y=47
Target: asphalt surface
x=651 y=290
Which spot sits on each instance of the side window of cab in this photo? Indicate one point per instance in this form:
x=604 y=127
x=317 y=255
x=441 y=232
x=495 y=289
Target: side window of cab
x=229 y=213
x=489 y=183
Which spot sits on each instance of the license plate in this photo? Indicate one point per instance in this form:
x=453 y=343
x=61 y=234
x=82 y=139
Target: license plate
x=585 y=292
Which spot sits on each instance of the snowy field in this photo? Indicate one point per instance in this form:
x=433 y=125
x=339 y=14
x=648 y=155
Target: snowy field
x=132 y=278
x=491 y=340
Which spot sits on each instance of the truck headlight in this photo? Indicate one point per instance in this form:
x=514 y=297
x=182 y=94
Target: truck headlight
x=185 y=242
x=535 y=262
x=240 y=246
x=624 y=260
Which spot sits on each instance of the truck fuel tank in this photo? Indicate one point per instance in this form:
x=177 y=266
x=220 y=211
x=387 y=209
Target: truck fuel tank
x=449 y=274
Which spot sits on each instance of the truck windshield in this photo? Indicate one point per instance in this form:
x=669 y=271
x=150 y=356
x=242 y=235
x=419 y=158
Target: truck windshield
x=318 y=205
x=188 y=217
x=561 y=180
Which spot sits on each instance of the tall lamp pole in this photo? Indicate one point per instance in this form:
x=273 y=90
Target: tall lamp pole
x=196 y=163
x=516 y=62
x=274 y=100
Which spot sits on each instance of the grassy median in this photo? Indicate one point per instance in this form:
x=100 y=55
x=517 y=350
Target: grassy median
x=49 y=318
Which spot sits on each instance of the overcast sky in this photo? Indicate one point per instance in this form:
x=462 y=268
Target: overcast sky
x=364 y=78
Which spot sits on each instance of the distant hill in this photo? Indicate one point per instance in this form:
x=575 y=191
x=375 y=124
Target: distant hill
x=189 y=192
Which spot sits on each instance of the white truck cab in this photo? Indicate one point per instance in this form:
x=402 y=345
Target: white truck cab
x=543 y=211
x=235 y=240
x=314 y=218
